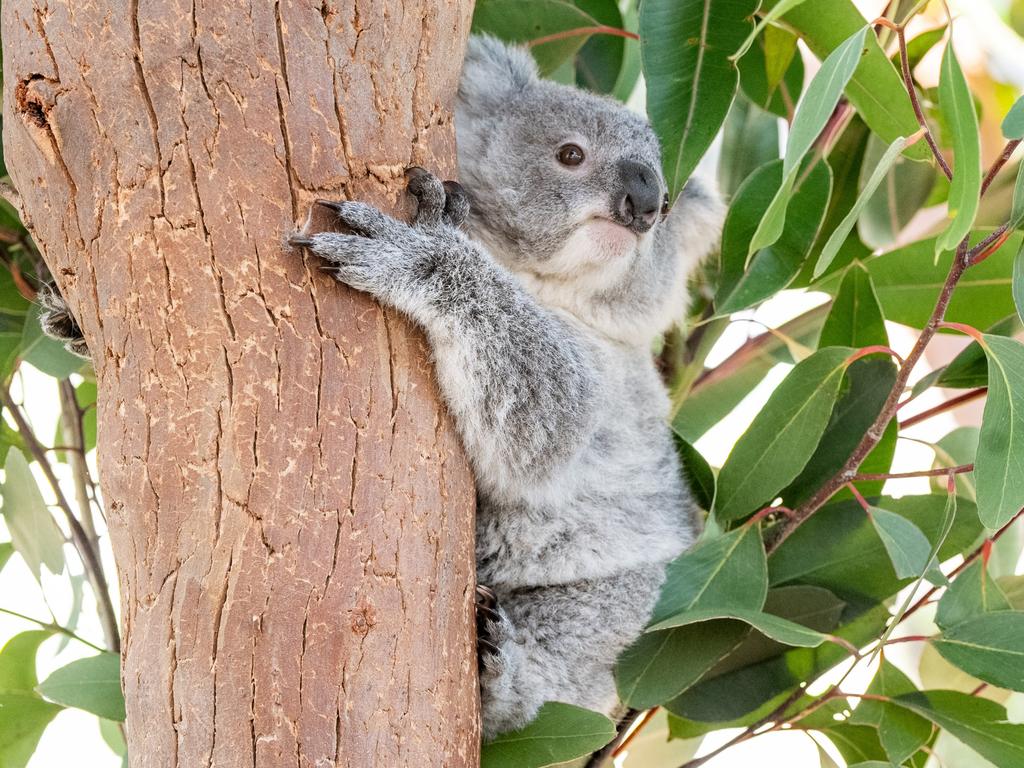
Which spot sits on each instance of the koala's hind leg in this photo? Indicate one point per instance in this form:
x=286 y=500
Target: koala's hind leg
x=560 y=643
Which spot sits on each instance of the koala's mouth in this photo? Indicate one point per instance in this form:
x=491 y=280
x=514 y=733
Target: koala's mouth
x=634 y=228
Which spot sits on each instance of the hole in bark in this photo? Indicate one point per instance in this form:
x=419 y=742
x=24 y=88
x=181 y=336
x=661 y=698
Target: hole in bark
x=30 y=103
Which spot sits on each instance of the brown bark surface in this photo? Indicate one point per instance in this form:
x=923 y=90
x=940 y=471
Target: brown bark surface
x=289 y=509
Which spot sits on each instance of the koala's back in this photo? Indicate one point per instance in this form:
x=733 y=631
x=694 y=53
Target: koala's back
x=619 y=505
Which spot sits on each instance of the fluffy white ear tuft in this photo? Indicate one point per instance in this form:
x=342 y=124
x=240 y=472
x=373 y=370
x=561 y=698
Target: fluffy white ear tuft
x=493 y=71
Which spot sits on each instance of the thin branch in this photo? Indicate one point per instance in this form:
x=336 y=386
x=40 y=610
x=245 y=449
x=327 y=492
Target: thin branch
x=908 y=82
x=595 y=30
x=54 y=627
x=600 y=758
x=90 y=558
x=920 y=473
x=888 y=411
x=949 y=405
x=74 y=433
x=998 y=165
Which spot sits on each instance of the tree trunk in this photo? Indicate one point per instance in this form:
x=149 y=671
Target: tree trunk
x=289 y=508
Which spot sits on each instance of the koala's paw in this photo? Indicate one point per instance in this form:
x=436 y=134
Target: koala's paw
x=370 y=258
x=493 y=631
x=437 y=202
x=58 y=323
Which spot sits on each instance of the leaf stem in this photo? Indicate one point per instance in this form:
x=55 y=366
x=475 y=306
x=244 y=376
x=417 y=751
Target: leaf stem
x=908 y=82
x=90 y=558
x=920 y=473
x=998 y=165
x=949 y=405
x=577 y=31
x=54 y=627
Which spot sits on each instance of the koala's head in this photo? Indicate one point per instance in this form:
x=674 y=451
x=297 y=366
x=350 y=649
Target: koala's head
x=565 y=186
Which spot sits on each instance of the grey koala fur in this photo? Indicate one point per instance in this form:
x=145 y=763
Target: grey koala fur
x=541 y=318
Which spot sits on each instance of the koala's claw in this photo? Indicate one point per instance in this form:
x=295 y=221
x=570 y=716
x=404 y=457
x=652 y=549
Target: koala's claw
x=300 y=241
x=456 y=203
x=492 y=628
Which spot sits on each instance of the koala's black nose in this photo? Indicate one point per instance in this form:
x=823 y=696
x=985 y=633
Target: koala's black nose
x=640 y=203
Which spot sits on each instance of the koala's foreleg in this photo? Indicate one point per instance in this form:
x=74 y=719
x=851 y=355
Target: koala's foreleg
x=520 y=383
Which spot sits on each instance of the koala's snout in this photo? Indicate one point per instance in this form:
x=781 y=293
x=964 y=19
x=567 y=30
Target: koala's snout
x=639 y=204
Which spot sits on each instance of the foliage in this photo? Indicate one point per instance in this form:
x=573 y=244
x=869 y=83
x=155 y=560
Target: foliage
x=808 y=566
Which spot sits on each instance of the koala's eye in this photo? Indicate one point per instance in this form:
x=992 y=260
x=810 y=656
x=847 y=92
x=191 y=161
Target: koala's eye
x=570 y=154
x=664 y=206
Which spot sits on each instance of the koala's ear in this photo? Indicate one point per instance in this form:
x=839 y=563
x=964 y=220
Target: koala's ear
x=493 y=72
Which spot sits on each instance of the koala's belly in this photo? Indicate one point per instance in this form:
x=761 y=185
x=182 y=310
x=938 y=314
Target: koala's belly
x=622 y=506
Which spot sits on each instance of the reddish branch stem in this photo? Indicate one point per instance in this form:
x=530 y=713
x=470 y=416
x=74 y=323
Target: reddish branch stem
x=949 y=405
x=596 y=30
x=921 y=473
x=908 y=81
x=997 y=166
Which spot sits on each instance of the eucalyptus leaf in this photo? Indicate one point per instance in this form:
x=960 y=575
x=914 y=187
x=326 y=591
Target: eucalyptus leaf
x=1013 y=123
x=957 y=107
x=778 y=11
x=973 y=593
x=685 y=47
x=812 y=114
x=779 y=629
x=521 y=21
x=989 y=647
x=1018 y=281
x=18 y=661
x=34 y=533
x=979 y=723
x=908 y=548
x=900 y=732
x=855 y=319
x=838 y=237
x=999 y=467
x=783 y=436
x=23 y=718
x=559 y=733
x=92 y=684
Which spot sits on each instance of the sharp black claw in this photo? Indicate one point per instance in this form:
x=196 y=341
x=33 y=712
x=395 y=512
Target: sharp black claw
x=483 y=642
x=300 y=242
x=485 y=596
x=490 y=612
x=453 y=188
x=332 y=204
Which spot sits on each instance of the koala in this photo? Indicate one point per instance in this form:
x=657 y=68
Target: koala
x=541 y=283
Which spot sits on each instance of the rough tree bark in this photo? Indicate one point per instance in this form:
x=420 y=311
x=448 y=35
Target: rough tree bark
x=289 y=509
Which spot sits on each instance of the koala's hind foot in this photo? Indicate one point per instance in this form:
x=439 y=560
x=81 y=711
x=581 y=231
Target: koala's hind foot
x=58 y=323
x=492 y=629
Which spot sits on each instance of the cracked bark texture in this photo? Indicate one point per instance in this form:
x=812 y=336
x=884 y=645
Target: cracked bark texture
x=289 y=509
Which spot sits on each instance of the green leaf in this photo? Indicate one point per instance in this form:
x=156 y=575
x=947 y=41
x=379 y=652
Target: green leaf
x=904 y=192
x=900 y=732
x=875 y=89
x=990 y=647
x=999 y=467
x=18 y=661
x=685 y=47
x=960 y=446
x=838 y=237
x=838 y=549
x=812 y=114
x=1013 y=123
x=979 y=723
x=520 y=21
x=85 y=395
x=794 y=417
x=969 y=369
x=559 y=733
x=111 y=733
x=23 y=718
x=750 y=139
x=92 y=684
x=660 y=665
x=781 y=630
x=908 y=548
x=780 y=9
x=774 y=266
x=599 y=62
x=1017 y=209
x=6 y=550
x=1018 y=280
x=700 y=478
x=866 y=387
x=957 y=107
x=908 y=283
x=757 y=73
x=855 y=319
x=725 y=571
x=856 y=743
x=34 y=533
x=972 y=594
